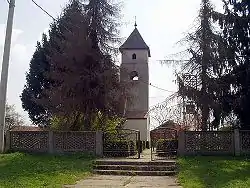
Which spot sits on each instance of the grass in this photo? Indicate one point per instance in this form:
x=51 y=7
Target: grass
x=214 y=172
x=33 y=170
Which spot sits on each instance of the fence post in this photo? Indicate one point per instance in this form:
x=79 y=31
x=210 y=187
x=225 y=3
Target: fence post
x=99 y=144
x=51 y=143
x=7 y=141
x=236 y=142
x=181 y=143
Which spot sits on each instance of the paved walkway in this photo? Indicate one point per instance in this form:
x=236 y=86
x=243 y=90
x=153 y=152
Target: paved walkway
x=103 y=181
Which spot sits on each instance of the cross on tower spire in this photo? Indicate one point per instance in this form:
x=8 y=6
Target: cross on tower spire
x=135 y=22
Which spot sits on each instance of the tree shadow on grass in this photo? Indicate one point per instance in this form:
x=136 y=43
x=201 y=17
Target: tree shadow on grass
x=214 y=172
x=28 y=170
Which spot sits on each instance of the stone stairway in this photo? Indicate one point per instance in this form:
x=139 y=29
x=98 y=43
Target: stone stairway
x=135 y=167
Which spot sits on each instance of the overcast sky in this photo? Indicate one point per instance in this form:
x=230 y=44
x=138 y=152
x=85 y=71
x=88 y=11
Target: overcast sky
x=162 y=23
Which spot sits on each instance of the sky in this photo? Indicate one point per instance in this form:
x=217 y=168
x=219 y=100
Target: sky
x=161 y=23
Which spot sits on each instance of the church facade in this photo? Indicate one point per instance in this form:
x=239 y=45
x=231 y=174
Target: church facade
x=135 y=71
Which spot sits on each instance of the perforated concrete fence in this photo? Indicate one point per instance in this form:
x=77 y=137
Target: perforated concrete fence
x=55 y=142
x=214 y=143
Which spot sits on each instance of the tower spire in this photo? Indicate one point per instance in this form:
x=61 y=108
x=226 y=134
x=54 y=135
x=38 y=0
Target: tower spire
x=135 y=22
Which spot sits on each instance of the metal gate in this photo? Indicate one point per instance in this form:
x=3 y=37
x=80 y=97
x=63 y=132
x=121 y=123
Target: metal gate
x=122 y=143
x=164 y=144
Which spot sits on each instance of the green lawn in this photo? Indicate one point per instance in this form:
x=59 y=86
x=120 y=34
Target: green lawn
x=219 y=172
x=29 y=170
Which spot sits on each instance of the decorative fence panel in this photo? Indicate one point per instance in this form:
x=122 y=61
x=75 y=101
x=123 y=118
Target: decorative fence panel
x=31 y=141
x=209 y=143
x=74 y=141
x=56 y=142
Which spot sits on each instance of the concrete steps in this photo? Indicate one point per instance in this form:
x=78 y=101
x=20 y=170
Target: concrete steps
x=135 y=162
x=135 y=173
x=135 y=168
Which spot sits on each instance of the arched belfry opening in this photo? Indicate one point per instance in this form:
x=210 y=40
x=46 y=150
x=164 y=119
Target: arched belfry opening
x=134 y=76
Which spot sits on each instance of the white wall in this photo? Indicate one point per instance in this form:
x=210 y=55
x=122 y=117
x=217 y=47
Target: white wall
x=139 y=124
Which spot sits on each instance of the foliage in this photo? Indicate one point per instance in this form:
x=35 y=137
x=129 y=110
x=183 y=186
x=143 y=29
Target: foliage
x=101 y=123
x=12 y=118
x=28 y=170
x=67 y=122
x=109 y=124
x=223 y=172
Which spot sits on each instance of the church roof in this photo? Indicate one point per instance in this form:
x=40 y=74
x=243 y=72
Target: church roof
x=135 y=42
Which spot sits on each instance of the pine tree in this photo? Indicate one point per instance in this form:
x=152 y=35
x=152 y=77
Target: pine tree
x=86 y=79
x=37 y=81
x=81 y=80
x=236 y=28
x=208 y=63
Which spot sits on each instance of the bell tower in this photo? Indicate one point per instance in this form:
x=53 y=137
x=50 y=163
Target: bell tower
x=135 y=71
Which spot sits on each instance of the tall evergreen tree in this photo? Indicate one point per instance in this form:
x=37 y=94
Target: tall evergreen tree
x=208 y=51
x=86 y=79
x=236 y=29
x=36 y=82
x=81 y=80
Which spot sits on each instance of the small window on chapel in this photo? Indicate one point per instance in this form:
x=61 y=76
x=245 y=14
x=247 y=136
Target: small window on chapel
x=134 y=56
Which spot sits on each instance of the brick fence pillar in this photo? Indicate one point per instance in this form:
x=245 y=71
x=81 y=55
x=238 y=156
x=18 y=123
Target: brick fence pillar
x=99 y=144
x=181 y=143
x=236 y=142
